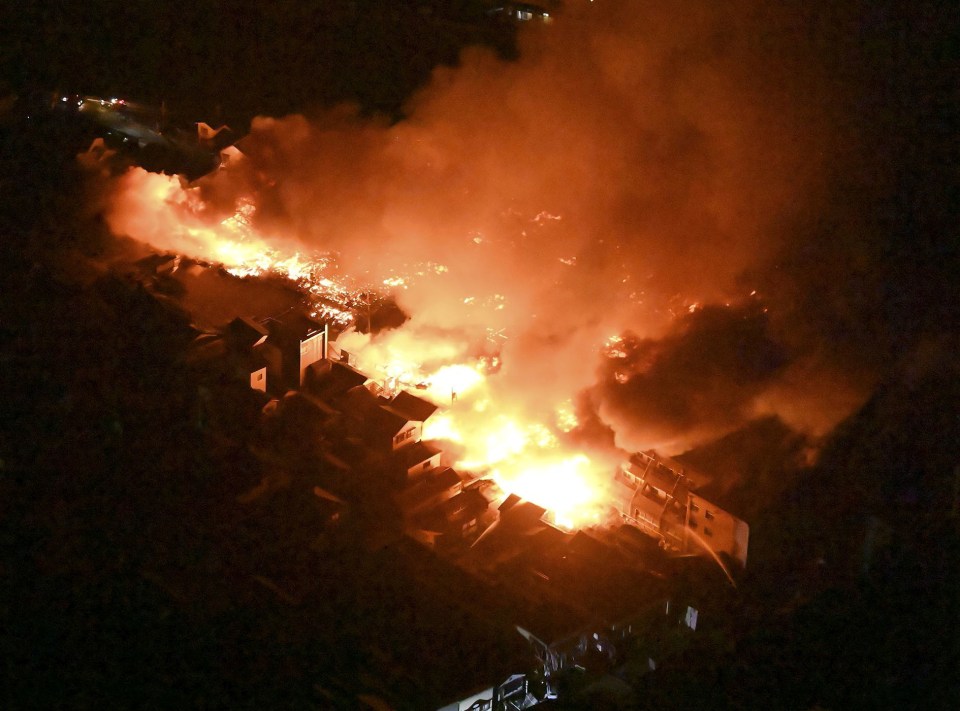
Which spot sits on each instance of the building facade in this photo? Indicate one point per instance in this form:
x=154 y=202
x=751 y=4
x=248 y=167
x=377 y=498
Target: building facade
x=653 y=494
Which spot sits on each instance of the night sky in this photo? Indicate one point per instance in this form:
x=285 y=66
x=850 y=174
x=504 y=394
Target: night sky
x=125 y=565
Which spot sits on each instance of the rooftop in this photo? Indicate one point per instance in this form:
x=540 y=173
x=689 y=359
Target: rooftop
x=418 y=452
x=245 y=332
x=582 y=574
x=335 y=378
x=413 y=407
x=293 y=324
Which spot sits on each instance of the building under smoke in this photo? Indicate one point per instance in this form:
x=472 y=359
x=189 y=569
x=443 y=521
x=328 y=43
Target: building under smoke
x=653 y=494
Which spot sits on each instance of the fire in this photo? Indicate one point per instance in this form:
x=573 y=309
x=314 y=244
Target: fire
x=442 y=426
x=521 y=454
x=496 y=440
x=560 y=484
x=455 y=380
x=159 y=210
x=494 y=437
x=526 y=459
x=566 y=418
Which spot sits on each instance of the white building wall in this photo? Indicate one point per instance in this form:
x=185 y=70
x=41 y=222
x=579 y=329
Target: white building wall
x=258 y=379
x=311 y=350
x=721 y=531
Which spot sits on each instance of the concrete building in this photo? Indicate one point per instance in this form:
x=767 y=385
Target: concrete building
x=653 y=494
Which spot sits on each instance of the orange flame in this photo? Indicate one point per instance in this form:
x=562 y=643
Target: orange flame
x=521 y=454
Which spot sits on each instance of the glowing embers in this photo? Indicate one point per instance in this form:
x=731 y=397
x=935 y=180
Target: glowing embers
x=159 y=210
x=566 y=416
x=236 y=244
x=614 y=347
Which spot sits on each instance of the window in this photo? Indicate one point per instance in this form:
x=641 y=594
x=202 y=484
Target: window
x=403 y=436
x=707 y=531
x=653 y=493
x=708 y=515
x=694 y=508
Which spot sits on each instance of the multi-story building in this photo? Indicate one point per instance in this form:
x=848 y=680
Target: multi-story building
x=653 y=494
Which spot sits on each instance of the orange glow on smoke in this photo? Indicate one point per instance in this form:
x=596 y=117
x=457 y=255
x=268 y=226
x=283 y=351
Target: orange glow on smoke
x=616 y=177
x=171 y=217
x=521 y=454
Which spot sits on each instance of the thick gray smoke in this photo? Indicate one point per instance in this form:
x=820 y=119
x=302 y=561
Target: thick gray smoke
x=700 y=378
x=640 y=166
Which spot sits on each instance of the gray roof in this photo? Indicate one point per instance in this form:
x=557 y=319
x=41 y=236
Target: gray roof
x=293 y=324
x=417 y=453
x=244 y=332
x=413 y=407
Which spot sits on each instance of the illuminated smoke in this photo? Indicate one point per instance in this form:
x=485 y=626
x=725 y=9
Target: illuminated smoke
x=618 y=181
x=699 y=379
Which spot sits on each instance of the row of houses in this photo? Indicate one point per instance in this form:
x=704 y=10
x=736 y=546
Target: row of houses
x=361 y=433
x=578 y=599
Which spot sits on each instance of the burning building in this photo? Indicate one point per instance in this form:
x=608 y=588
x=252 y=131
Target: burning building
x=591 y=210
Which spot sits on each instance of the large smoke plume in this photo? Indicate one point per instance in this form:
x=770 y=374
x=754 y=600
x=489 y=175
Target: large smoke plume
x=639 y=170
